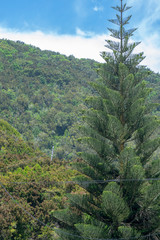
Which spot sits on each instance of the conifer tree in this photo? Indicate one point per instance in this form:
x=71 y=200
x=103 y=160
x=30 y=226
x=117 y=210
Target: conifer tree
x=121 y=199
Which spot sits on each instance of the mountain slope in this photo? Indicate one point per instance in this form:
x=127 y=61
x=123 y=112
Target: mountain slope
x=40 y=91
x=31 y=187
x=41 y=94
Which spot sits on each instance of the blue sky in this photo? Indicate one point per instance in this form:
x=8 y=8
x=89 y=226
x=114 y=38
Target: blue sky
x=79 y=27
x=61 y=16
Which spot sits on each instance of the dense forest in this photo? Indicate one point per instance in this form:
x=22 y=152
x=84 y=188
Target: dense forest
x=34 y=182
x=42 y=93
x=103 y=121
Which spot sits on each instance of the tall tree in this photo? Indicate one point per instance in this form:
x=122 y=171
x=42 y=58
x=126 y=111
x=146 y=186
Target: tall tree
x=121 y=199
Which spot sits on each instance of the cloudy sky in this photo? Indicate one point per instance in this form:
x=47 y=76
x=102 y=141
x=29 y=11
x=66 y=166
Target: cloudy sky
x=79 y=27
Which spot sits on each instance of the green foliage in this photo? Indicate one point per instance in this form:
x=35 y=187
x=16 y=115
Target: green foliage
x=128 y=232
x=113 y=203
x=13 y=149
x=40 y=95
x=36 y=184
x=8 y=129
x=40 y=92
x=119 y=150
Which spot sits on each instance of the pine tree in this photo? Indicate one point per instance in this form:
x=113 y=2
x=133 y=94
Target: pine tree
x=121 y=199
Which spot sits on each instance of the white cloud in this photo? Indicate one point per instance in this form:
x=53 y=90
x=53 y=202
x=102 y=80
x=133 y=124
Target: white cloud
x=81 y=33
x=77 y=45
x=151 y=51
x=97 y=9
x=82 y=47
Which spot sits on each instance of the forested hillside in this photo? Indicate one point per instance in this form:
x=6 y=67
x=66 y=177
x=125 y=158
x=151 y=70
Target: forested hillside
x=41 y=101
x=31 y=187
x=42 y=92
